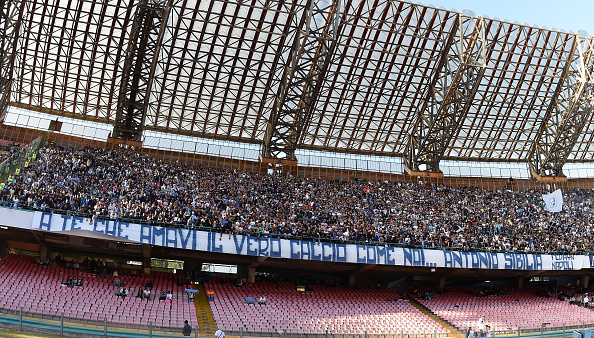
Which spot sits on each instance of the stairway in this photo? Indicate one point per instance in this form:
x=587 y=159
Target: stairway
x=455 y=332
x=205 y=320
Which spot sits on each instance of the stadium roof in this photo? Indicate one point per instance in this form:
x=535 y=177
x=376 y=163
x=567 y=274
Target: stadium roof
x=220 y=65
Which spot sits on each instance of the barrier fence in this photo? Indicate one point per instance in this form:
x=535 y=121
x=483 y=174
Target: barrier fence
x=21 y=158
x=68 y=326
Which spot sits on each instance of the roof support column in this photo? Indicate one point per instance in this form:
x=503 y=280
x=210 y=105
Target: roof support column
x=138 y=71
x=11 y=14
x=304 y=73
x=567 y=115
x=448 y=99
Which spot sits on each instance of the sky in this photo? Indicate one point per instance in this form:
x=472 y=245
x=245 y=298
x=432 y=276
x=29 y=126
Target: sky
x=566 y=15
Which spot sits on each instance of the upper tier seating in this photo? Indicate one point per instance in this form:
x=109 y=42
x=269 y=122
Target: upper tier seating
x=119 y=184
x=340 y=310
x=38 y=289
x=461 y=307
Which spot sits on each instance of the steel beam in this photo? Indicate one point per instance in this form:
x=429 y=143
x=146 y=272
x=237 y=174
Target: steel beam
x=304 y=73
x=568 y=113
x=139 y=68
x=11 y=14
x=449 y=97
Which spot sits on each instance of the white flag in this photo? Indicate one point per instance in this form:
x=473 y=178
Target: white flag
x=553 y=201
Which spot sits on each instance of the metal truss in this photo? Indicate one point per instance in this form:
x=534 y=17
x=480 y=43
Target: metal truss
x=450 y=95
x=303 y=76
x=568 y=113
x=386 y=53
x=249 y=71
x=139 y=67
x=11 y=13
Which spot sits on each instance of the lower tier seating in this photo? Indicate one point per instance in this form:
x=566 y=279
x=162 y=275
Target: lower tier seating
x=336 y=309
x=524 y=309
x=39 y=289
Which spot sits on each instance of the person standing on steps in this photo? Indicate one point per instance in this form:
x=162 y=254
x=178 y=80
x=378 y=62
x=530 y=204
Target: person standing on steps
x=187 y=330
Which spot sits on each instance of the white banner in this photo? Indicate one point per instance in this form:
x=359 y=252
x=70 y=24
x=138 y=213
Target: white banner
x=293 y=249
x=553 y=201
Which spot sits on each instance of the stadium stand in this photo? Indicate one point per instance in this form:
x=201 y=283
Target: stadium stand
x=7 y=148
x=38 y=289
x=517 y=309
x=336 y=309
x=118 y=184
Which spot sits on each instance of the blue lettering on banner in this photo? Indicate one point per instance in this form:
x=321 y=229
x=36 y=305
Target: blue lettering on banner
x=390 y=260
x=340 y=253
x=591 y=261
x=212 y=243
x=295 y=249
x=238 y=244
x=97 y=222
x=380 y=254
x=121 y=230
x=371 y=256
x=305 y=250
x=76 y=220
x=414 y=257
x=316 y=248
x=478 y=260
x=46 y=221
x=562 y=262
x=361 y=258
x=111 y=228
x=327 y=252
x=145 y=234
x=184 y=239
x=522 y=261
x=65 y=219
x=171 y=235
x=275 y=247
x=263 y=250
x=252 y=246
x=158 y=236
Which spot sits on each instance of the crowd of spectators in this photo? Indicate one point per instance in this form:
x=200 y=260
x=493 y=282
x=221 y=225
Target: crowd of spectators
x=119 y=184
x=7 y=148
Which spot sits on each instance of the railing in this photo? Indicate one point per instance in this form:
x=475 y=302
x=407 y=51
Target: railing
x=27 y=321
x=89 y=322
x=11 y=204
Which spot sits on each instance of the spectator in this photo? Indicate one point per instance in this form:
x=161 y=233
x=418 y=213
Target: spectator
x=140 y=293
x=120 y=292
x=262 y=300
x=162 y=296
x=117 y=282
x=187 y=330
x=489 y=332
x=219 y=333
x=481 y=325
x=190 y=297
x=147 y=294
x=250 y=300
x=169 y=296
